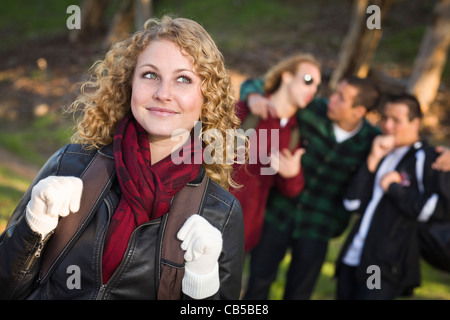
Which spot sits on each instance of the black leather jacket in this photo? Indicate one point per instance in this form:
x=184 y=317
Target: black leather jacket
x=135 y=278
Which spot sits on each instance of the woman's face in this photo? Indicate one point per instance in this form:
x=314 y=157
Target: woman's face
x=304 y=84
x=166 y=93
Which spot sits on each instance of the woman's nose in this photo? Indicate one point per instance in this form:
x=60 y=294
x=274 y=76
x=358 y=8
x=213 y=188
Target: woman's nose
x=163 y=91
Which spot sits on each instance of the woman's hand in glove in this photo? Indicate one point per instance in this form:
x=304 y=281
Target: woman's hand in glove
x=51 y=198
x=203 y=245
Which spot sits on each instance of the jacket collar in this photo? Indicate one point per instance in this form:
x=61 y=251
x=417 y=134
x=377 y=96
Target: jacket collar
x=107 y=150
x=199 y=178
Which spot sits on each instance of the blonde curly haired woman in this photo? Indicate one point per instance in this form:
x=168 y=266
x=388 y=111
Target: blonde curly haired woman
x=140 y=106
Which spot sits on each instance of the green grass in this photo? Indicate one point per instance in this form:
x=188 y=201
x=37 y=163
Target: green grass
x=402 y=45
x=435 y=283
x=12 y=187
x=37 y=140
x=22 y=20
x=264 y=20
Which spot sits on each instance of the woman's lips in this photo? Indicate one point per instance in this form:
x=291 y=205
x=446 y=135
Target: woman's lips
x=161 y=112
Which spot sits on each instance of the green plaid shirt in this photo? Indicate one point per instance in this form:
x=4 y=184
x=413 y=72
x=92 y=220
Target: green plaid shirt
x=318 y=212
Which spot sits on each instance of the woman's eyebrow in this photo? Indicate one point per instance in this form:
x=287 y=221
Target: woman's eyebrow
x=156 y=68
x=148 y=65
x=183 y=70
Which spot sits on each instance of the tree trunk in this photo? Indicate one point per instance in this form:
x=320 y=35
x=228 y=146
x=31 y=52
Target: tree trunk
x=360 y=43
x=143 y=11
x=121 y=24
x=91 y=19
x=350 y=41
x=131 y=14
x=432 y=56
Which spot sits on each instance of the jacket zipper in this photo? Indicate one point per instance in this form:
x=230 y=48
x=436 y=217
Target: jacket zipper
x=37 y=253
x=103 y=286
x=101 y=292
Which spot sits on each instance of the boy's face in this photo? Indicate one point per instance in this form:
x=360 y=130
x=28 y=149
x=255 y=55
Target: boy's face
x=395 y=121
x=340 y=107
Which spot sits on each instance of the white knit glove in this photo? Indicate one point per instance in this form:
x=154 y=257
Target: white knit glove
x=51 y=198
x=203 y=245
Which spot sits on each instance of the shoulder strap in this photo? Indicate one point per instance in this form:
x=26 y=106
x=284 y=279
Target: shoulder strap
x=295 y=139
x=251 y=121
x=185 y=203
x=96 y=179
x=420 y=166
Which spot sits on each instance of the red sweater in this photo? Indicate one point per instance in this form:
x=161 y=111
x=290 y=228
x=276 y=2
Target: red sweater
x=255 y=187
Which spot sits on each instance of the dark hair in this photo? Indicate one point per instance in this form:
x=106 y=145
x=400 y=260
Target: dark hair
x=410 y=101
x=368 y=93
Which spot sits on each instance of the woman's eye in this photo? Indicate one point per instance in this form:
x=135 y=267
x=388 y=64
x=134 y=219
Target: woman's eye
x=184 y=79
x=150 y=75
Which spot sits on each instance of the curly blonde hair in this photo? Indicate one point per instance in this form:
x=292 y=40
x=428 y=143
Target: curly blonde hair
x=272 y=78
x=105 y=98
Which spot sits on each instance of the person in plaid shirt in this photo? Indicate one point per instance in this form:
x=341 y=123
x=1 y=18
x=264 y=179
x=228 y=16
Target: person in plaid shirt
x=337 y=138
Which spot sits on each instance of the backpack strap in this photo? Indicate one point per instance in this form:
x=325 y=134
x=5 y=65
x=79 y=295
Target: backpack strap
x=295 y=139
x=97 y=178
x=429 y=207
x=185 y=203
x=251 y=122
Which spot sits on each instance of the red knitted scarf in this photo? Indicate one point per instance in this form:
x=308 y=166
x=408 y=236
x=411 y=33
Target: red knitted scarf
x=146 y=189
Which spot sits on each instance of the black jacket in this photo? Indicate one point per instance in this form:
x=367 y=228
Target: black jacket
x=135 y=278
x=392 y=242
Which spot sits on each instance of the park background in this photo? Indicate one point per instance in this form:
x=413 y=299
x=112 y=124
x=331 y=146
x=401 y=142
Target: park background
x=42 y=64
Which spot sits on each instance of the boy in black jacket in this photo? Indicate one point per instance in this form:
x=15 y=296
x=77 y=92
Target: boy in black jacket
x=394 y=189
